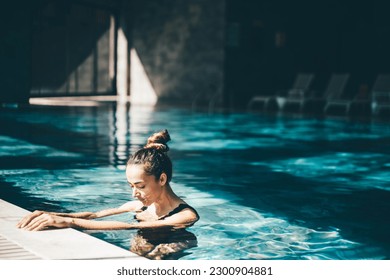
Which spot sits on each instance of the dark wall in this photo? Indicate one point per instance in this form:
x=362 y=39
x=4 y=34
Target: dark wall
x=274 y=40
x=15 y=52
x=194 y=47
x=181 y=45
x=71 y=48
x=55 y=47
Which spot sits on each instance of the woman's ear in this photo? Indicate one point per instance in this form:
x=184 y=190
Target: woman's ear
x=163 y=179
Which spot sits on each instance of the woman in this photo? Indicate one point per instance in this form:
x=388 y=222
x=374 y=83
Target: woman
x=148 y=173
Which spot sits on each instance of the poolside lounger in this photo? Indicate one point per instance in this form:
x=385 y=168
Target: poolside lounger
x=375 y=99
x=380 y=103
x=334 y=91
x=364 y=102
x=380 y=95
x=301 y=85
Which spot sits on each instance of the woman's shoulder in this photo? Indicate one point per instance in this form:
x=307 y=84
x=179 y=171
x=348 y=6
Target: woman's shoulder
x=183 y=206
x=131 y=206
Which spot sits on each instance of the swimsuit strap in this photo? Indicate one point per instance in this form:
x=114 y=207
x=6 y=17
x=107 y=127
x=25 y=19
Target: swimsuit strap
x=179 y=208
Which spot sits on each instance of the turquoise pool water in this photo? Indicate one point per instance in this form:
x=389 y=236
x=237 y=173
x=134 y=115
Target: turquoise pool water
x=266 y=187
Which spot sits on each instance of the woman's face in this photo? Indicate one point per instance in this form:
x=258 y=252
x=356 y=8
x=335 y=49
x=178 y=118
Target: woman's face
x=146 y=188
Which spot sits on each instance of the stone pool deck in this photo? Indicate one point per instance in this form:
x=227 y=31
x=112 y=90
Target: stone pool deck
x=56 y=244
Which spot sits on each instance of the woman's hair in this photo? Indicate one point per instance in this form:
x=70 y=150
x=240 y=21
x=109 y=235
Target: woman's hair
x=153 y=156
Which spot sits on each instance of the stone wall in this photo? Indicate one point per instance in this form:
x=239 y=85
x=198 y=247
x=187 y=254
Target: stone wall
x=181 y=46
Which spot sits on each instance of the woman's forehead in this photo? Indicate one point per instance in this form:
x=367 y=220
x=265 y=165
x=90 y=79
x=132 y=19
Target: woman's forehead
x=135 y=172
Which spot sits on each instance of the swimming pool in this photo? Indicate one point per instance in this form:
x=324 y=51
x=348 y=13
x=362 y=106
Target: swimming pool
x=266 y=187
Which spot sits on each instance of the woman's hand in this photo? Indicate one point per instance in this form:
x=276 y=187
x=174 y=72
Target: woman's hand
x=27 y=219
x=39 y=220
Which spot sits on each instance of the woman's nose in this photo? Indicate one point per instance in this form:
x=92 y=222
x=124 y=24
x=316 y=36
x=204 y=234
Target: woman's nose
x=135 y=192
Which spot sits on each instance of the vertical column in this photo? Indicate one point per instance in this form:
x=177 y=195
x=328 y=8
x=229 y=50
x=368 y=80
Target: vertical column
x=15 y=52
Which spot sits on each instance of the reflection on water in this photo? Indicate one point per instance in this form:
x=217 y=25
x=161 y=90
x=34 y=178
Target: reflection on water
x=128 y=128
x=119 y=135
x=265 y=188
x=162 y=244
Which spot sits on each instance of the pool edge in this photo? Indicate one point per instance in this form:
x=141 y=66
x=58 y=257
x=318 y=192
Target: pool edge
x=56 y=244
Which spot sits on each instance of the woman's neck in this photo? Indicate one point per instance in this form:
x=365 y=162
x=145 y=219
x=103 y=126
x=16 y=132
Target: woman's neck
x=167 y=201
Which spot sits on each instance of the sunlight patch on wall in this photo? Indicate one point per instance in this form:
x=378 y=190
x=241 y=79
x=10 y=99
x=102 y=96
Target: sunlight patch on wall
x=122 y=85
x=111 y=65
x=141 y=89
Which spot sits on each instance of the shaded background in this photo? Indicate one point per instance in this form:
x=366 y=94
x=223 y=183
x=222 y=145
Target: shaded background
x=189 y=49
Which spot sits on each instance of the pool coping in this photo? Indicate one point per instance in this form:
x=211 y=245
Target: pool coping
x=88 y=101
x=53 y=244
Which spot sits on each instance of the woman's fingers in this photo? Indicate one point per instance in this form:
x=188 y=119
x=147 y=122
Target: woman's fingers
x=40 y=227
x=46 y=220
x=41 y=224
x=37 y=222
x=24 y=221
x=27 y=219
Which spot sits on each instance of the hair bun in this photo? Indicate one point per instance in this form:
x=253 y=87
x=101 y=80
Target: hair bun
x=159 y=141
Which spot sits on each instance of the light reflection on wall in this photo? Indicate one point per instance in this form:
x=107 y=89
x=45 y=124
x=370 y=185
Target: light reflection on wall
x=111 y=66
x=122 y=71
x=141 y=88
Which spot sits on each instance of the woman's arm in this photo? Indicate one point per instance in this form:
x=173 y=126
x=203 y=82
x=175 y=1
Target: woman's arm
x=182 y=219
x=46 y=220
x=127 y=207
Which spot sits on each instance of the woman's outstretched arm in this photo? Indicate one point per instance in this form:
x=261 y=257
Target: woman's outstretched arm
x=127 y=207
x=182 y=219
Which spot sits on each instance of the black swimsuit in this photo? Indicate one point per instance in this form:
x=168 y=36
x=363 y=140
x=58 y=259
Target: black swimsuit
x=179 y=208
x=156 y=236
